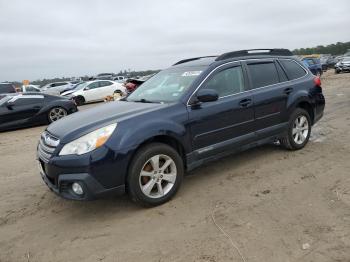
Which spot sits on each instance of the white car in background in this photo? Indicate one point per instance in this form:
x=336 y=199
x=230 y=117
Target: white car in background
x=31 y=88
x=119 y=79
x=96 y=90
x=56 y=88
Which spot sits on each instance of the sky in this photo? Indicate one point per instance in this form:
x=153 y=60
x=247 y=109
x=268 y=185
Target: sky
x=46 y=38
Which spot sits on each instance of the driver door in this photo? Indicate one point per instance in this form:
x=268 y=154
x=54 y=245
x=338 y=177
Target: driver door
x=91 y=92
x=20 y=108
x=228 y=122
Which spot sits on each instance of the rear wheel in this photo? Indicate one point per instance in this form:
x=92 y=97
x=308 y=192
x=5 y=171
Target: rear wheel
x=299 y=130
x=56 y=113
x=155 y=174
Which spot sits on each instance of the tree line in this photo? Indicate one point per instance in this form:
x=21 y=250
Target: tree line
x=334 y=49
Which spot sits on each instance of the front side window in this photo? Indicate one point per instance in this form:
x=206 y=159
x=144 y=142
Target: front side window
x=167 y=86
x=263 y=74
x=227 y=82
x=93 y=85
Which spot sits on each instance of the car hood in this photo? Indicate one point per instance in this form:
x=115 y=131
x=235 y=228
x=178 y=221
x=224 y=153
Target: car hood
x=68 y=92
x=83 y=122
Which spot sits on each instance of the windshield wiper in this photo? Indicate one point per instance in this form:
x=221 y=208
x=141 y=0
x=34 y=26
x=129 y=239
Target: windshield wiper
x=142 y=100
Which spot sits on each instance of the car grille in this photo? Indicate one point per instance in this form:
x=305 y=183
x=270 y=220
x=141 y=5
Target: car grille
x=47 y=146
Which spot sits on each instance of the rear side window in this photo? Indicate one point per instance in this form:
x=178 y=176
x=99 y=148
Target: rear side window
x=281 y=73
x=105 y=83
x=227 y=82
x=60 y=84
x=7 y=88
x=293 y=69
x=263 y=74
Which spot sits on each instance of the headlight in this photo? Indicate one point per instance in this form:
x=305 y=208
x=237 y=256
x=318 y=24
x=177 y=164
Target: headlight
x=88 y=142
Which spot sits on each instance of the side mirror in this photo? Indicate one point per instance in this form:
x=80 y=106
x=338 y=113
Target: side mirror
x=86 y=88
x=207 y=95
x=9 y=105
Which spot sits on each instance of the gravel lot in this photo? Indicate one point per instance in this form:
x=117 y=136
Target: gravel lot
x=274 y=205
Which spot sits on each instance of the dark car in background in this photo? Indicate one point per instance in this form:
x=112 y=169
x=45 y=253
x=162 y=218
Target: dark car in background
x=198 y=110
x=29 y=109
x=314 y=65
x=6 y=88
x=104 y=76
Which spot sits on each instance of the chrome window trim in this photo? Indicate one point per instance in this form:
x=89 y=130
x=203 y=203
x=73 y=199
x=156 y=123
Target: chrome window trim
x=245 y=60
x=13 y=99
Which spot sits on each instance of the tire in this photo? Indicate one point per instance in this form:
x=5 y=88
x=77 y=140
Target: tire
x=79 y=100
x=145 y=189
x=297 y=136
x=336 y=71
x=56 y=113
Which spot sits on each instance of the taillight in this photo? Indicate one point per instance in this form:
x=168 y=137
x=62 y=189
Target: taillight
x=317 y=81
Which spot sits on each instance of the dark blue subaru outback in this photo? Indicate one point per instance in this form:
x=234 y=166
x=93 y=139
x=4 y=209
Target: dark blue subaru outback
x=199 y=109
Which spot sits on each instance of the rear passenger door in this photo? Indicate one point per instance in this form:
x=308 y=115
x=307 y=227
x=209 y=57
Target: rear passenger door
x=226 y=123
x=107 y=89
x=270 y=91
x=23 y=107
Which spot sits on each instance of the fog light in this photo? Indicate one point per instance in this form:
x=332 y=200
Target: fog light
x=77 y=189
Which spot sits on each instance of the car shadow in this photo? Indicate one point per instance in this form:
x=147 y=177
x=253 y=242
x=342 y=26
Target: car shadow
x=122 y=206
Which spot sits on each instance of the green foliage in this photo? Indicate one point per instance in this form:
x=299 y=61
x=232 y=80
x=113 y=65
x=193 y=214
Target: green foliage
x=335 y=49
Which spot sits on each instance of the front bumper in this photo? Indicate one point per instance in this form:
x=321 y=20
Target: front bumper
x=343 y=68
x=91 y=187
x=100 y=172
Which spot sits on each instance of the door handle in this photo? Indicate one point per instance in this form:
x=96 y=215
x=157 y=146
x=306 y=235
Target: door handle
x=288 y=90
x=245 y=102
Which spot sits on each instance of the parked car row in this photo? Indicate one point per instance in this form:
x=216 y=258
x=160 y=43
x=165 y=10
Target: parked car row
x=109 y=76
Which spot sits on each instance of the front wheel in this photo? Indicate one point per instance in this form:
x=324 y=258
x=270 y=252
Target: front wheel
x=299 y=130
x=56 y=113
x=155 y=174
x=79 y=100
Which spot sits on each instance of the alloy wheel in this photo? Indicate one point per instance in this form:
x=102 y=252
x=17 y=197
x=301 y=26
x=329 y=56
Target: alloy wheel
x=158 y=176
x=300 y=129
x=57 y=113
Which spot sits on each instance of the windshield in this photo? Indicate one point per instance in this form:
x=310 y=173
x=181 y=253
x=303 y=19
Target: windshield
x=346 y=59
x=4 y=99
x=80 y=86
x=166 y=86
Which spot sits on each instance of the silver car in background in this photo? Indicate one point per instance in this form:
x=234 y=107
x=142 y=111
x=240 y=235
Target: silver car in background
x=56 y=88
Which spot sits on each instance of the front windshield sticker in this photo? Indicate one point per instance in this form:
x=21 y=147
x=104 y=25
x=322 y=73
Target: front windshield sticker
x=192 y=73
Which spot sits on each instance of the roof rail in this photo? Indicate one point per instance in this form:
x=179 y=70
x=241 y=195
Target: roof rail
x=192 y=59
x=252 y=52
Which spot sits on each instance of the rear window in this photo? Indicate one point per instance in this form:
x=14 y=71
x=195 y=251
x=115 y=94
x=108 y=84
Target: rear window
x=7 y=88
x=293 y=69
x=263 y=74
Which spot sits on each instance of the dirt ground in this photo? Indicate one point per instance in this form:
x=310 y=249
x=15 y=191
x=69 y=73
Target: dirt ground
x=272 y=205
